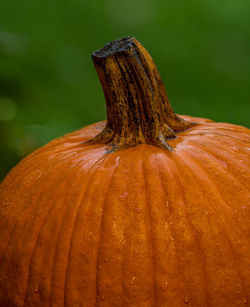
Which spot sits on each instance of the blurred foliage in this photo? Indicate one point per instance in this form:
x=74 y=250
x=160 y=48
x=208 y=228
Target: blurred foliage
x=48 y=85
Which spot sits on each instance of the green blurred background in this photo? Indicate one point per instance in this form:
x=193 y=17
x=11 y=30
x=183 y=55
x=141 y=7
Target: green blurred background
x=48 y=85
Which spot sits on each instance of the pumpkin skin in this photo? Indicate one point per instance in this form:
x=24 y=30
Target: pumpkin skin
x=142 y=226
x=138 y=227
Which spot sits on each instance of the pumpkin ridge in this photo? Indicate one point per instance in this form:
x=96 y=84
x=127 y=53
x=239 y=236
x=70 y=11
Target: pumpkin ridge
x=23 y=211
x=14 y=226
x=208 y=152
x=100 y=234
x=236 y=162
x=156 y=172
x=59 y=236
x=210 y=131
x=232 y=149
x=206 y=276
x=149 y=213
x=170 y=224
x=101 y=159
x=43 y=223
x=219 y=196
x=223 y=228
x=26 y=170
x=198 y=251
x=178 y=170
x=126 y=227
x=212 y=225
x=227 y=206
x=136 y=253
x=17 y=215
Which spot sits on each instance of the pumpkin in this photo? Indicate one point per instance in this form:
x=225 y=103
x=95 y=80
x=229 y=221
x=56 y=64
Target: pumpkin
x=146 y=209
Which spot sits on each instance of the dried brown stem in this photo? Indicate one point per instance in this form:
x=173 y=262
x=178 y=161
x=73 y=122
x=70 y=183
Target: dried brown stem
x=138 y=110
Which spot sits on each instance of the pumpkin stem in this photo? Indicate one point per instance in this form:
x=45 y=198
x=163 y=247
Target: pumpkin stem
x=138 y=110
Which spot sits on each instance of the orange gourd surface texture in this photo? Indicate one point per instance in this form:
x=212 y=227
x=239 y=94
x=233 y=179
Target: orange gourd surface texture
x=145 y=209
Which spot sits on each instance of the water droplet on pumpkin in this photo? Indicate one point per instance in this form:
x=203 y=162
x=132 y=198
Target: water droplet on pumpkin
x=36 y=290
x=123 y=196
x=164 y=286
x=186 y=300
x=138 y=210
x=132 y=280
x=100 y=267
x=244 y=300
x=103 y=297
x=106 y=260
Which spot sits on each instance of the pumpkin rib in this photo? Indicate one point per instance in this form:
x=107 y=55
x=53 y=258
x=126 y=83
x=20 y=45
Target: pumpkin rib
x=198 y=149
x=216 y=225
x=230 y=173
x=174 y=211
x=84 y=206
x=167 y=217
x=212 y=133
x=27 y=173
x=239 y=224
x=222 y=169
x=100 y=234
x=21 y=211
x=221 y=200
x=98 y=162
x=58 y=239
x=239 y=138
x=199 y=250
x=24 y=212
x=43 y=224
x=124 y=229
x=149 y=213
x=216 y=145
x=235 y=139
x=233 y=150
x=64 y=221
x=137 y=247
x=128 y=237
x=98 y=202
x=111 y=257
x=25 y=169
x=209 y=180
x=175 y=241
x=178 y=171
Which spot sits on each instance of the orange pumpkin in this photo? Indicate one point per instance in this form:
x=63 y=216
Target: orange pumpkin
x=147 y=209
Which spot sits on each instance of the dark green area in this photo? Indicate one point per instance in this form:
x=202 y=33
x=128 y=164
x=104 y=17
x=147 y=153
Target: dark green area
x=48 y=85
